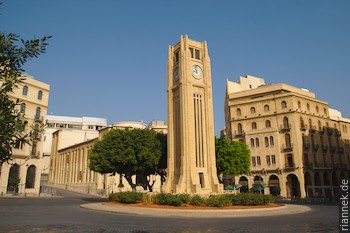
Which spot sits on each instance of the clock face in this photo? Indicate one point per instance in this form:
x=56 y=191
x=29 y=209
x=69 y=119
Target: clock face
x=176 y=74
x=197 y=72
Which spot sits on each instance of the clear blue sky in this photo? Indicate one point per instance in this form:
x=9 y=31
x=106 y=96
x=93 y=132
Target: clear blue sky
x=108 y=58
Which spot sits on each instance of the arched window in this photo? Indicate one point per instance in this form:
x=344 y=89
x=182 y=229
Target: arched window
x=319 y=126
x=266 y=141
x=37 y=113
x=302 y=125
x=23 y=108
x=40 y=95
x=252 y=142
x=288 y=142
x=317 y=110
x=284 y=104
x=239 y=112
x=285 y=123
x=272 y=141
x=299 y=105
x=310 y=124
x=25 y=90
x=308 y=106
x=30 y=179
x=239 y=129
x=325 y=111
x=254 y=125
x=267 y=124
x=266 y=108
x=257 y=142
x=252 y=110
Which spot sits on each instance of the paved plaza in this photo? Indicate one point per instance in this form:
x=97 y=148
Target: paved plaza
x=65 y=214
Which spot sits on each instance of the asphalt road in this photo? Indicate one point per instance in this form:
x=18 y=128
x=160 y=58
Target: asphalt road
x=64 y=214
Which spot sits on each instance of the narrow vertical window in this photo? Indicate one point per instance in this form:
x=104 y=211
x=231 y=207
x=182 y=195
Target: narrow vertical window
x=40 y=95
x=25 y=90
x=273 y=159
x=239 y=112
x=192 y=52
x=257 y=142
x=268 y=159
x=268 y=124
x=299 y=105
x=197 y=54
x=252 y=143
x=23 y=108
x=252 y=110
x=271 y=141
x=258 y=161
x=254 y=125
x=37 y=113
x=284 y=104
x=266 y=142
x=266 y=108
x=253 y=161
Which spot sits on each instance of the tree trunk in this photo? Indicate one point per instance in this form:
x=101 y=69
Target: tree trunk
x=129 y=179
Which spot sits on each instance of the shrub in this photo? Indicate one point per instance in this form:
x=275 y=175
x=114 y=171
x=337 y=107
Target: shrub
x=185 y=198
x=112 y=197
x=197 y=200
x=251 y=199
x=219 y=200
x=128 y=197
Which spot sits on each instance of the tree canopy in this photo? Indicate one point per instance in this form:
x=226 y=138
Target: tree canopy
x=14 y=53
x=129 y=152
x=232 y=158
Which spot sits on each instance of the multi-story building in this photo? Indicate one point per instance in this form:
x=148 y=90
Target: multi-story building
x=26 y=160
x=72 y=130
x=299 y=146
x=70 y=170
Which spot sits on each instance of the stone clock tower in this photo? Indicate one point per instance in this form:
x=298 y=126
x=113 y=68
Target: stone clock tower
x=191 y=144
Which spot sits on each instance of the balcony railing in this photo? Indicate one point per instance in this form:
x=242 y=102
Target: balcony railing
x=38 y=118
x=312 y=128
x=285 y=127
x=239 y=134
x=303 y=127
x=290 y=165
x=287 y=147
x=35 y=154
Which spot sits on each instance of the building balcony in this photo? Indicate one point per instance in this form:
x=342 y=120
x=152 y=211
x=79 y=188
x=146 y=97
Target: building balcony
x=312 y=129
x=285 y=127
x=289 y=166
x=238 y=134
x=303 y=127
x=35 y=154
x=287 y=147
x=38 y=118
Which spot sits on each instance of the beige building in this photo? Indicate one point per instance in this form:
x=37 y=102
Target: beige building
x=71 y=130
x=69 y=167
x=27 y=159
x=297 y=142
x=191 y=147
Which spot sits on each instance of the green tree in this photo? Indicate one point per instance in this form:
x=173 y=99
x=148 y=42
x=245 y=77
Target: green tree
x=14 y=53
x=128 y=152
x=232 y=158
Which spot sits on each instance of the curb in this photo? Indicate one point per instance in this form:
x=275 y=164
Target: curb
x=203 y=213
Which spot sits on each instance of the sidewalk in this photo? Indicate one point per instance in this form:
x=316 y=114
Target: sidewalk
x=221 y=213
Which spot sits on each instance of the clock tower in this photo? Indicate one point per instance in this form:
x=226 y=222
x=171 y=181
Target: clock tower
x=191 y=143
